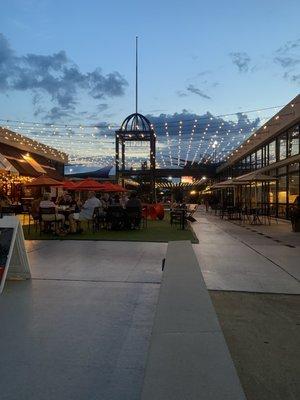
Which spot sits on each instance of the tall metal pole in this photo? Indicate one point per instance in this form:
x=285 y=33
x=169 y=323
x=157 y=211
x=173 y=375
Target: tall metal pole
x=136 y=74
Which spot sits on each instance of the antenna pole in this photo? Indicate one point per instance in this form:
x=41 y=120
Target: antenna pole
x=136 y=74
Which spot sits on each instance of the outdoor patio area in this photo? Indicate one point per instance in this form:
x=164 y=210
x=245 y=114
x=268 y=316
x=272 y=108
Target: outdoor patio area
x=151 y=231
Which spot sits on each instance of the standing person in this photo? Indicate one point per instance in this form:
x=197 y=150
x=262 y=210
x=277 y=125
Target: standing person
x=134 y=202
x=65 y=200
x=87 y=211
x=134 y=211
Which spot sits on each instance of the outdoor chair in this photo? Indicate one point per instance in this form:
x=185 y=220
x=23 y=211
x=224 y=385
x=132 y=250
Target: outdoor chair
x=192 y=209
x=47 y=225
x=144 y=216
x=32 y=216
x=99 y=219
x=178 y=217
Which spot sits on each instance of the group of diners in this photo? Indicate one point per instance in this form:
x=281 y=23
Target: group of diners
x=70 y=212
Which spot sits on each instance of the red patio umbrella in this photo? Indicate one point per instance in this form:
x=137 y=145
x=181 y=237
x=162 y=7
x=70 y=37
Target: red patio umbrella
x=114 y=187
x=69 y=185
x=89 y=184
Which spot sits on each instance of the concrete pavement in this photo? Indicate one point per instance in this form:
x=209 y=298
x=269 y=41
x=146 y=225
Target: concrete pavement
x=80 y=328
x=235 y=258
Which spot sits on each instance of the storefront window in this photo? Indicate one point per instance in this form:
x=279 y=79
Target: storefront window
x=293 y=145
x=282 y=146
x=282 y=193
x=293 y=186
x=272 y=152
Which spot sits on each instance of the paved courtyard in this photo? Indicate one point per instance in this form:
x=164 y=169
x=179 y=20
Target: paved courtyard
x=80 y=328
x=240 y=258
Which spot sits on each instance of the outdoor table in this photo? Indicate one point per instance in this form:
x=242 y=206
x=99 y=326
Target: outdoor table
x=117 y=217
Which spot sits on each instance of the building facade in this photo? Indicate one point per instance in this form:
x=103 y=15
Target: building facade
x=23 y=159
x=274 y=150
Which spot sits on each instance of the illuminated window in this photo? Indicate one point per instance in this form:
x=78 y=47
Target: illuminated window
x=293 y=142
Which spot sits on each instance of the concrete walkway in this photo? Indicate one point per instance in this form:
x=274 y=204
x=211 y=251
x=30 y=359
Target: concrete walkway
x=80 y=328
x=239 y=259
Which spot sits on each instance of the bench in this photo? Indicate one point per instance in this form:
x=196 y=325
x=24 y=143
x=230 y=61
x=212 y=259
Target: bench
x=188 y=358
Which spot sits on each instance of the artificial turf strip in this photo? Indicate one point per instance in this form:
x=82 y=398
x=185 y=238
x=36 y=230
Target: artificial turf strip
x=156 y=231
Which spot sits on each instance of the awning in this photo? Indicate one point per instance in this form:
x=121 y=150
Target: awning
x=229 y=183
x=255 y=176
x=44 y=181
x=27 y=164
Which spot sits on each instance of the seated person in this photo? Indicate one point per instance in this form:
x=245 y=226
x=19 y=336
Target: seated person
x=66 y=200
x=87 y=211
x=106 y=200
x=116 y=200
x=47 y=203
x=123 y=200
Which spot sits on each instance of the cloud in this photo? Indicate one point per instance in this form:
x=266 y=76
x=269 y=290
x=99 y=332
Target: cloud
x=181 y=93
x=289 y=46
x=295 y=78
x=57 y=113
x=241 y=60
x=102 y=107
x=55 y=76
x=195 y=90
x=288 y=58
x=287 y=62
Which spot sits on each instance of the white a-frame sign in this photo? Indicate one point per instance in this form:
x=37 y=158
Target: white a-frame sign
x=14 y=262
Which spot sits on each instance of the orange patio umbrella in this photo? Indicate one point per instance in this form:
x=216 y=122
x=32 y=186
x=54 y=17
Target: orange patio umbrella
x=44 y=181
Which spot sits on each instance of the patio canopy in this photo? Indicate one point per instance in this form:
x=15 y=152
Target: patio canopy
x=44 y=181
x=229 y=183
x=255 y=176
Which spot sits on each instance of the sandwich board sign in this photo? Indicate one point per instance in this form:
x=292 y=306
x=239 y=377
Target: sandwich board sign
x=14 y=262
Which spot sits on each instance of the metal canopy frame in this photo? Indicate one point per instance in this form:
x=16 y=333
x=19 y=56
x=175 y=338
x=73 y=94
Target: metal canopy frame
x=135 y=128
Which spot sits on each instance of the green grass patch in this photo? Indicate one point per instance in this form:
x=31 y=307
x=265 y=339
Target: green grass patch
x=156 y=231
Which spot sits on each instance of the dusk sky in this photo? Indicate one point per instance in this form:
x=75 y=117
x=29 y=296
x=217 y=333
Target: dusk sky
x=220 y=57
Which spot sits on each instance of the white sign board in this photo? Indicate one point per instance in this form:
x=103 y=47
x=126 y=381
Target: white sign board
x=14 y=262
